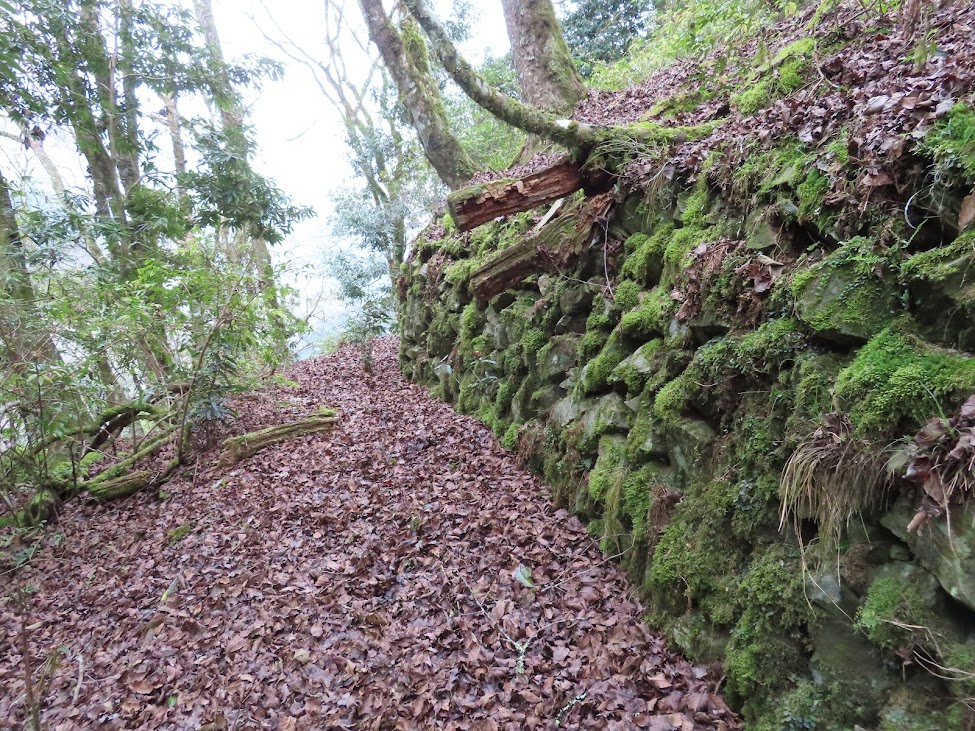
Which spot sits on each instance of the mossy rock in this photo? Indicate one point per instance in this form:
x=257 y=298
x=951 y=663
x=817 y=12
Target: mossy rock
x=596 y=373
x=843 y=298
x=941 y=284
x=608 y=415
x=843 y=659
x=634 y=370
x=690 y=443
x=576 y=299
x=557 y=358
x=947 y=552
x=702 y=641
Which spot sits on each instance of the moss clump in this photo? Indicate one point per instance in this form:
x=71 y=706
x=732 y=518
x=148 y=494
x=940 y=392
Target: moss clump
x=847 y=293
x=891 y=604
x=651 y=317
x=946 y=265
x=671 y=401
x=533 y=340
x=601 y=315
x=460 y=272
x=637 y=493
x=596 y=376
x=755 y=97
x=811 y=193
x=645 y=255
x=502 y=400
x=609 y=469
x=177 y=534
x=510 y=438
x=951 y=144
x=897 y=381
x=470 y=322
x=627 y=295
x=697 y=560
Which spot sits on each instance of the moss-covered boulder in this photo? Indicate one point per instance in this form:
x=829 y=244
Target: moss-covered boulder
x=945 y=547
x=845 y=297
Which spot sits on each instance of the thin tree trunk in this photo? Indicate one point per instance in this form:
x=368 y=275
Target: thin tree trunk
x=546 y=74
x=419 y=93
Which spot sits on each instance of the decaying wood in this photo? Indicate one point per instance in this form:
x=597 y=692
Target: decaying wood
x=479 y=204
x=238 y=448
x=553 y=249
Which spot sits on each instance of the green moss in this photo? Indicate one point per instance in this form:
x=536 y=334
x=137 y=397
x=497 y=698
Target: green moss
x=645 y=254
x=945 y=265
x=792 y=75
x=839 y=148
x=671 y=402
x=951 y=144
x=651 y=317
x=637 y=493
x=460 y=272
x=502 y=400
x=697 y=560
x=510 y=438
x=912 y=711
x=627 y=295
x=609 y=469
x=890 y=604
x=600 y=315
x=849 y=292
x=755 y=97
x=696 y=204
x=898 y=378
x=533 y=340
x=470 y=322
x=762 y=658
x=448 y=224
x=598 y=369
x=811 y=193
x=177 y=534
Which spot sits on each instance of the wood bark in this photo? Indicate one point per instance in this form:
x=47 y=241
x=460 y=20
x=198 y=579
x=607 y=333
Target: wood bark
x=421 y=98
x=554 y=249
x=546 y=73
x=479 y=204
x=238 y=448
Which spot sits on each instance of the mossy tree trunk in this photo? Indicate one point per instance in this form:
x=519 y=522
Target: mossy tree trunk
x=546 y=74
x=406 y=59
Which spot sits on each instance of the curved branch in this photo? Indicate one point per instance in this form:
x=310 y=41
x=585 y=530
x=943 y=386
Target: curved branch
x=511 y=111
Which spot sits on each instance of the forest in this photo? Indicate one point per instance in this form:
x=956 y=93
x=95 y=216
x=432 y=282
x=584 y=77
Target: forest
x=650 y=402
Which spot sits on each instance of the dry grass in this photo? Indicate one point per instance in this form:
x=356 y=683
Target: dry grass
x=832 y=478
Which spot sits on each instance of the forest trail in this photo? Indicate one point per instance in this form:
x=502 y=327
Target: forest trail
x=363 y=578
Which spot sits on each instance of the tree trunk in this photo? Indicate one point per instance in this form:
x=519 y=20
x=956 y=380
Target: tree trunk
x=546 y=74
x=405 y=58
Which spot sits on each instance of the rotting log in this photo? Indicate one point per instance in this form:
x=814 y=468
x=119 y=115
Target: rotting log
x=470 y=207
x=245 y=445
x=121 y=486
x=552 y=249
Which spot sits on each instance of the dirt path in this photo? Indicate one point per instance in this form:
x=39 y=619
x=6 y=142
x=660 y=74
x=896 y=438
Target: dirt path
x=361 y=579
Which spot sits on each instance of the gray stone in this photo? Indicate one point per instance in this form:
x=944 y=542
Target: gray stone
x=569 y=409
x=844 y=658
x=642 y=362
x=557 y=358
x=826 y=303
x=634 y=216
x=948 y=553
x=609 y=415
x=575 y=299
x=702 y=641
x=760 y=234
x=827 y=592
x=689 y=441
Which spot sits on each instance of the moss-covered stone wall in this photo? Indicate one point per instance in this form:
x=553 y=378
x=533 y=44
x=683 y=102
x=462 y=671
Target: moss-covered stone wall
x=724 y=347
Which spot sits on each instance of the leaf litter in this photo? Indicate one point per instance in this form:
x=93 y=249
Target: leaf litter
x=356 y=579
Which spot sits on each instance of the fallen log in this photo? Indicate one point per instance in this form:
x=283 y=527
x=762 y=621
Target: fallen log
x=470 y=207
x=552 y=249
x=245 y=445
